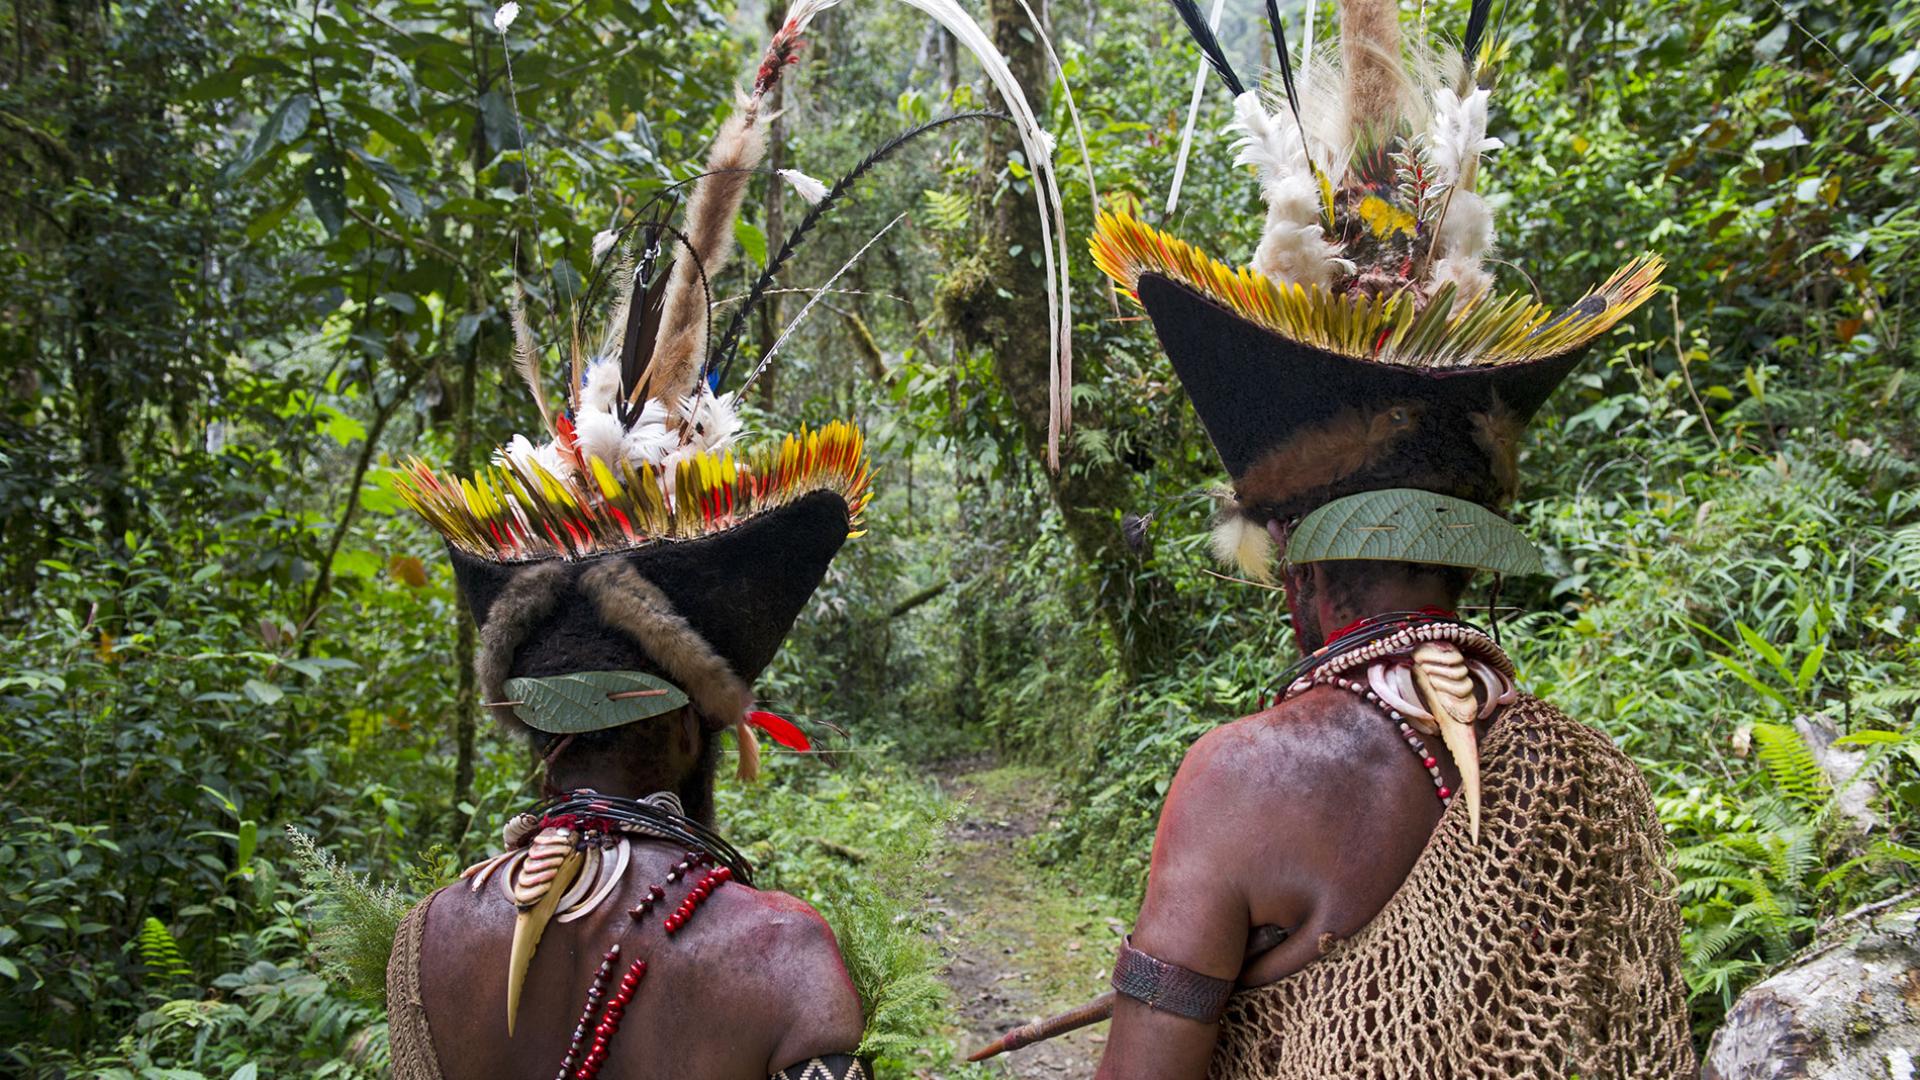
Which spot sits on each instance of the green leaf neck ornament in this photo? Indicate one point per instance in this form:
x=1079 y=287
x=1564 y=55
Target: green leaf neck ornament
x=1408 y=525
x=583 y=701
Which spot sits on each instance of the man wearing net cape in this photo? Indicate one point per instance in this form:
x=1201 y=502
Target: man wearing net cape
x=1403 y=865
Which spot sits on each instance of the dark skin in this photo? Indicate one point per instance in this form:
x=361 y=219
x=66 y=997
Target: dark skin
x=751 y=984
x=1343 y=811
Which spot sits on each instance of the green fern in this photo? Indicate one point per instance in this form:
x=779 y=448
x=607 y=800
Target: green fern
x=893 y=963
x=1792 y=766
x=160 y=957
x=353 y=932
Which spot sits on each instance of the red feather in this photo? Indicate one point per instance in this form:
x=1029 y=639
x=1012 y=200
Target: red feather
x=780 y=730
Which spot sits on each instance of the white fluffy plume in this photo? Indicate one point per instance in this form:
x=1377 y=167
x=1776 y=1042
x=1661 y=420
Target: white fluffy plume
x=598 y=435
x=1243 y=545
x=1457 y=135
x=603 y=386
x=804 y=186
x=1293 y=247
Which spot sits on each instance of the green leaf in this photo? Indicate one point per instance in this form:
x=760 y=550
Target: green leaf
x=569 y=704
x=403 y=194
x=248 y=842
x=1406 y=525
x=1739 y=671
x=262 y=693
x=326 y=187
x=753 y=240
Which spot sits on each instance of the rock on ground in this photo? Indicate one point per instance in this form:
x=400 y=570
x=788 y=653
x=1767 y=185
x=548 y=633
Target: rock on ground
x=1849 y=1010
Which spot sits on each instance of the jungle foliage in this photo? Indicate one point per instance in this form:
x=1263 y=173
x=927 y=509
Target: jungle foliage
x=259 y=254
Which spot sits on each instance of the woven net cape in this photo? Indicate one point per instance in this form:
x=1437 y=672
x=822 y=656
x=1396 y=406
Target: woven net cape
x=1549 y=949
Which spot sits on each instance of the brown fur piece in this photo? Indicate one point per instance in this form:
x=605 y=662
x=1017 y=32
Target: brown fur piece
x=1497 y=432
x=1371 y=54
x=635 y=606
x=526 y=601
x=1318 y=456
x=675 y=367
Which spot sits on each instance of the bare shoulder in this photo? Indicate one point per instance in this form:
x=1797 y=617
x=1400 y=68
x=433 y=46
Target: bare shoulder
x=1289 y=756
x=790 y=966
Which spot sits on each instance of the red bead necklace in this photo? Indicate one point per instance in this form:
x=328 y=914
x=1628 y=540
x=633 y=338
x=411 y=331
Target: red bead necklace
x=602 y=1033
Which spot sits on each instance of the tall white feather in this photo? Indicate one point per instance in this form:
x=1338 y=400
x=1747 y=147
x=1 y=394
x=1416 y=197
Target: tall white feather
x=1053 y=224
x=1193 y=115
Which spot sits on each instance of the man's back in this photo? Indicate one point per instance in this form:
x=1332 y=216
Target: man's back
x=752 y=982
x=1548 y=947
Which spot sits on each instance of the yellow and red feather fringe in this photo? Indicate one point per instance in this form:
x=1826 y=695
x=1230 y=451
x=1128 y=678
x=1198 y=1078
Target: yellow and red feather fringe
x=512 y=512
x=1396 y=329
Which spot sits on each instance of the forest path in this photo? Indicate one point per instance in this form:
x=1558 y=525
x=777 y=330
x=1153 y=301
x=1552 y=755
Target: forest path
x=1019 y=939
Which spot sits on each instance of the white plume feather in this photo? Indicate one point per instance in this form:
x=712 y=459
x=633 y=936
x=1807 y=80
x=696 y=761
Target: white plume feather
x=649 y=440
x=805 y=186
x=1046 y=194
x=1293 y=247
x=602 y=387
x=598 y=435
x=547 y=455
x=1457 y=135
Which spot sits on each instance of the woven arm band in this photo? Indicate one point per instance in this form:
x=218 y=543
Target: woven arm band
x=1169 y=988
x=827 y=1067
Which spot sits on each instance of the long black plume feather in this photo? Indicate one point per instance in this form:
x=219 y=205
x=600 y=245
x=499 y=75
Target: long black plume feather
x=1476 y=29
x=1286 y=64
x=722 y=355
x=644 y=309
x=1209 y=45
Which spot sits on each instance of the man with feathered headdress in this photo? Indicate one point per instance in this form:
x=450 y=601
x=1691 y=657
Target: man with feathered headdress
x=1403 y=866
x=631 y=572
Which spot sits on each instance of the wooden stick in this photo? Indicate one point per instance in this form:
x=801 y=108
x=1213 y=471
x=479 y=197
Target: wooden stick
x=1100 y=1008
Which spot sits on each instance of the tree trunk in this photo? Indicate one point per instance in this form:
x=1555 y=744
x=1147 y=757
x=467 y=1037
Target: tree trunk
x=1000 y=303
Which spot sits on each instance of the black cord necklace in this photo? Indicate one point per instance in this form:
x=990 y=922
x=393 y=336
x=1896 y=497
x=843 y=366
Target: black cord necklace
x=1365 y=632
x=587 y=808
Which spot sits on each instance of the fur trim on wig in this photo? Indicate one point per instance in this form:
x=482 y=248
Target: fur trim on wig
x=1316 y=457
x=526 y=602
x=635 y=606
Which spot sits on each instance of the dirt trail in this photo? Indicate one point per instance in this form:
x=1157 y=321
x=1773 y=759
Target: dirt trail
x=1019 y=941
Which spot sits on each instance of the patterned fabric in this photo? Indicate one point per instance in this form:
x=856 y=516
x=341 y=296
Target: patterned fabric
x=407 y=1034
x=1551 y=948
x=831 y=1067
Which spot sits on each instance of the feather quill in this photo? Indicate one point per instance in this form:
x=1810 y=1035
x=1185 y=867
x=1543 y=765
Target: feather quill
x=722 y=356
x=1046 y=193
x=823 y=290
x=526 y=356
